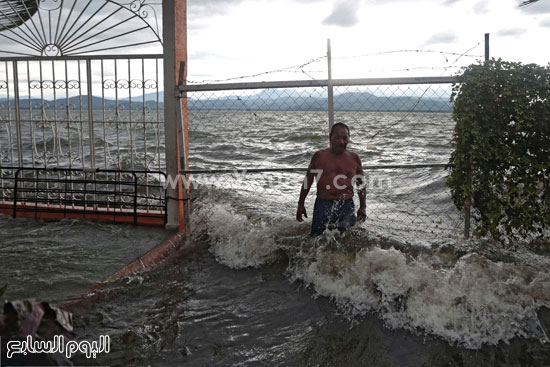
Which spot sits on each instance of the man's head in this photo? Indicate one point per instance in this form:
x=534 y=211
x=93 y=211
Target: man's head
x=339 y=137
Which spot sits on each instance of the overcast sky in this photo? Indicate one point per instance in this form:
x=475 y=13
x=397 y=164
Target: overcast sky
x=232 y=38
x=228 y=39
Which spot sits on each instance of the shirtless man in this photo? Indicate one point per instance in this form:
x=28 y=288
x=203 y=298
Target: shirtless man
x=336 y=171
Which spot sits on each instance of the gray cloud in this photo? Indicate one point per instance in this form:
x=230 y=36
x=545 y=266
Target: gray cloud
x=481 y=8
x=511 y=32
x=443 y=37
x=542 y=6
x=344 y=14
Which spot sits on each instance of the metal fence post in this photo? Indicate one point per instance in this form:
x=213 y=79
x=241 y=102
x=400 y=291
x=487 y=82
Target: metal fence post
x=486 y=46
x=330 y=87
x=17 y=114
x=90 y=112
x=183 y=162
x=467 y=206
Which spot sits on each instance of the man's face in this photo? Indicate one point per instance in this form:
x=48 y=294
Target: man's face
x=339 y=139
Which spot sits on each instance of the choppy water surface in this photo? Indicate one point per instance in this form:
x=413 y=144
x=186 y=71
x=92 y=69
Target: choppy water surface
x=402 y=289
x=51 y=261
x=208 y=314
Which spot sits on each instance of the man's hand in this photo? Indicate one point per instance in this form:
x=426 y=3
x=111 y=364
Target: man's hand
x=361 y=215
x=301 y=211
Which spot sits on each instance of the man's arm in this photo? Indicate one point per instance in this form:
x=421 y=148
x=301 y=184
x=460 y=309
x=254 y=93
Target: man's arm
x=361 y=192
x=306 y=186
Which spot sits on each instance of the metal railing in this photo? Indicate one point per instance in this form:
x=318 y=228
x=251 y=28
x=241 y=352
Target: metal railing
x=84 y=191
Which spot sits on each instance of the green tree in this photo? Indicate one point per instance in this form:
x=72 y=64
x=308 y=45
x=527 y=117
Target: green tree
x=501 y=145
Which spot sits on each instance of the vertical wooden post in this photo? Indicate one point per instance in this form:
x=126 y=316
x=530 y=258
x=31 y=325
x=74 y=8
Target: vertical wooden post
x=174 y=26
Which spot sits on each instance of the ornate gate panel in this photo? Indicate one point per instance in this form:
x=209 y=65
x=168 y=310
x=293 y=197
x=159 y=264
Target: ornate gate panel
x=65 y=104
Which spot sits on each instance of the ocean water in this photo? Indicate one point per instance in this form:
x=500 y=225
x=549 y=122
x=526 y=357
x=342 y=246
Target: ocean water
x=402 y=289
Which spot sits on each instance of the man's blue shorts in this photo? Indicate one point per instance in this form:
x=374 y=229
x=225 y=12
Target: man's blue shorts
x=332 y=214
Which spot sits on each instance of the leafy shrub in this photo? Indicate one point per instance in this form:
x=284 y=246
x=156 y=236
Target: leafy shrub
x=501 y=145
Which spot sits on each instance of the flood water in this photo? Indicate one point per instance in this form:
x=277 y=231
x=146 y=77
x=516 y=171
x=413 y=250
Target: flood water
x=51 y=261
x=402 y=289
x=207 y=314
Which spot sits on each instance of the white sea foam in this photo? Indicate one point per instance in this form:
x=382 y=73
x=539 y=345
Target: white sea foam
x=236 y=241
x=455 y=293
x=475 y=302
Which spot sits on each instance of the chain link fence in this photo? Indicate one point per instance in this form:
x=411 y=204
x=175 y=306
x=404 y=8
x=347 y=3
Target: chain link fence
x=257 y=143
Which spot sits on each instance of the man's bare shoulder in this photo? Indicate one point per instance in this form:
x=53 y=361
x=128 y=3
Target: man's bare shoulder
x=354 y=157
x=320 y=154
x=352 y=154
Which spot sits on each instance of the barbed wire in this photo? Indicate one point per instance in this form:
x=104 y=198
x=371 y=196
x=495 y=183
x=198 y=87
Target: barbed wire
x=383 y=70
x=464 y=54
x=443 y=53
x=300 y=68
x=423 y=94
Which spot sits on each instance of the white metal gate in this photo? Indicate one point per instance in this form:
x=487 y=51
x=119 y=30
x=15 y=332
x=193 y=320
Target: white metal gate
x=66 y=105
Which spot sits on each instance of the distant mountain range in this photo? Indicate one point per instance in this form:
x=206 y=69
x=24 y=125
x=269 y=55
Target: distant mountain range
x=283 y=100
x=98 y=103
x=268 y=100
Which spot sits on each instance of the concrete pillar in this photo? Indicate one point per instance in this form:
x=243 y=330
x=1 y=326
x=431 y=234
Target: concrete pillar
x=174 y=24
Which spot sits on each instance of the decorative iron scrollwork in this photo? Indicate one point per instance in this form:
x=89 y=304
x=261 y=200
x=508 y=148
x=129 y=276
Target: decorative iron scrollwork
x=51 y=50
x=3 y=84
x=142 y=10
x=123 y=84
x=50 y=5
x=109 y=84
x=150 y=84
x=50 y=84
x=67 y=84
x=35 y=84
x=129 y=84
x=136 y=84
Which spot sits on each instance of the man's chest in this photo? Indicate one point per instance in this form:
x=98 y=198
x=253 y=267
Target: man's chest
x=339 y=167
